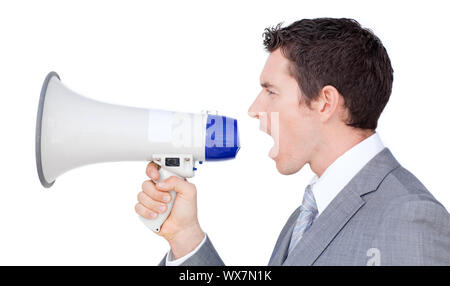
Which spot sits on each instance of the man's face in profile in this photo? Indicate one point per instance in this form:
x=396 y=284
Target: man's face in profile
x=285 y=116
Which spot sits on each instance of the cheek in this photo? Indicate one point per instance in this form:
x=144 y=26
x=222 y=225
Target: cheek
x=296 y=130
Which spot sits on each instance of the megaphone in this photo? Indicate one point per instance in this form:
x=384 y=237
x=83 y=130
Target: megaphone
x=73 y=131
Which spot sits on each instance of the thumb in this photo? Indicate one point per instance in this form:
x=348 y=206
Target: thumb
x=179 y=185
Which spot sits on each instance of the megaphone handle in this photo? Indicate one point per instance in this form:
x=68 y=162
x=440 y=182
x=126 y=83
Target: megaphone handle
x=155 y=224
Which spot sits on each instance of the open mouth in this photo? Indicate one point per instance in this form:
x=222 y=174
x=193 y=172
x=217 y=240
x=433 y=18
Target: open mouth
x=273 y=153
x=271 y=127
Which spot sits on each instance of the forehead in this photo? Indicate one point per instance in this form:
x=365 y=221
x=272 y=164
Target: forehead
x=276 y=67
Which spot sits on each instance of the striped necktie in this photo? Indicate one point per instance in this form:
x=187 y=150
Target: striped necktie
x=308 y=211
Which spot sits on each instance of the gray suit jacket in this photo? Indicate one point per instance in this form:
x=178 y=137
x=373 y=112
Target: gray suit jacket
x=383 y=216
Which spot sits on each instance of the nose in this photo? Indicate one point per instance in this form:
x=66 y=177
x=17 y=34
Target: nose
x=253 y=114
x=252 y=111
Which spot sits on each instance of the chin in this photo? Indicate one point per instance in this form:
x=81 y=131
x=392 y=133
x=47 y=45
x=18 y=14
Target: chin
x=287 y=167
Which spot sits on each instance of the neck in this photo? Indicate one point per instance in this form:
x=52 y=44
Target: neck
x=335 y=145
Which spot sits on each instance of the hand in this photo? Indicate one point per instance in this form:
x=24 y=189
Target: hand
x=181 y=229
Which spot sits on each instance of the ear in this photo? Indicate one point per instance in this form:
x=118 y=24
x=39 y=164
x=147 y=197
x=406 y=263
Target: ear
x=328 y=102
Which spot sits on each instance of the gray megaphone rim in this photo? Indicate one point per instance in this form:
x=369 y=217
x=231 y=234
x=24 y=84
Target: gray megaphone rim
x=39 y=129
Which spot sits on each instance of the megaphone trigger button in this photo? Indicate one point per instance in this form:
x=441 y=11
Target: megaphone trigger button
x=172 y=162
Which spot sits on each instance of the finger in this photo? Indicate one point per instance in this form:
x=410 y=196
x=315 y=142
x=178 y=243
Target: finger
x=152 y=171
x=151 y=204
x=177 y=184
x=144 y=212
x=148 y=187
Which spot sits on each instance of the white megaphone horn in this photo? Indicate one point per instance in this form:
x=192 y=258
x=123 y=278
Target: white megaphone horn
x=73 y=131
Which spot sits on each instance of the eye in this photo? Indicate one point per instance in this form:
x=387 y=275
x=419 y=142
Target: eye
x=270 y=92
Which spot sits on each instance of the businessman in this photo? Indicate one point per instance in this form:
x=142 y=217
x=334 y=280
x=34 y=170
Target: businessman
x=328 y=80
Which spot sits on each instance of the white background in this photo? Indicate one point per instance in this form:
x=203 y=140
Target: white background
x=189 y=56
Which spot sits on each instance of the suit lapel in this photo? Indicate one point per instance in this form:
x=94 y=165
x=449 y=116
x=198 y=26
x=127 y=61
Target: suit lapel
x=337 y=214
x=324 y=229
x=280 y=251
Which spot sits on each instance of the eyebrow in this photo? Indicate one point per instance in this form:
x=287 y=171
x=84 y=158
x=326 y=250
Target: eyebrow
x=267 y=85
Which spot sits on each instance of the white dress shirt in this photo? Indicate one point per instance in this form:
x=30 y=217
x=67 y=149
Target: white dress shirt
x=332 y=181
x=343 y=169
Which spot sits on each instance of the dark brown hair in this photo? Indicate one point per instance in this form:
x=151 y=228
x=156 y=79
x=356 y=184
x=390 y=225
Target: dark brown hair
x=337 y=52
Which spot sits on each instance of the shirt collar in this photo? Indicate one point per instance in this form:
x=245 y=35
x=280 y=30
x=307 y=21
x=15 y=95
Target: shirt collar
x=343 y=169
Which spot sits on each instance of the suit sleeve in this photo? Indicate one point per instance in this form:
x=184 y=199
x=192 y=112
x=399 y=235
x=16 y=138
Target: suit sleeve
x=206 y=255
x=415 y=232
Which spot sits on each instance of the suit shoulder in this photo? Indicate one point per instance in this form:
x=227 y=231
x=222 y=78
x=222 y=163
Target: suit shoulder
x=403 y=188
x=408 y=198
